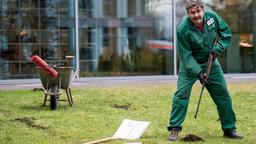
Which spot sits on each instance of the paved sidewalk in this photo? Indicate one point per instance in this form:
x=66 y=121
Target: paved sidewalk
x=119 y=81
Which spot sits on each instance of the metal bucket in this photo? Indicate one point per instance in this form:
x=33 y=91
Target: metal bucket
x=63 y=80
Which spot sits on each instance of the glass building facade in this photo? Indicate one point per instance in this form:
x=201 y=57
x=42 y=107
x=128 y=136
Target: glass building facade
x=113 y=37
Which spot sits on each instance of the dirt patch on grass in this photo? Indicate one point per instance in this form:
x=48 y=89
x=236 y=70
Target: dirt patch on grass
x=192 y=138
x=37 y=89
x=29 y=121
x=125 y=107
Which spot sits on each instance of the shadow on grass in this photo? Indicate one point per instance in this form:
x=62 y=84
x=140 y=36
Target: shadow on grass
x=44 y=108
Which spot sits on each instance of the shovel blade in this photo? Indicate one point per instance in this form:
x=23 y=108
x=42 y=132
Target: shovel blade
x=131 y=129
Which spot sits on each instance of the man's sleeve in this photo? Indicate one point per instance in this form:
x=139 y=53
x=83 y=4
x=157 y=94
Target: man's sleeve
x=186 y=56
x=224 y=33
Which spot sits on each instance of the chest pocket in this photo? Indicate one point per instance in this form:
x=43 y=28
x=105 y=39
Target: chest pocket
x=211 y=27
x=210 y=23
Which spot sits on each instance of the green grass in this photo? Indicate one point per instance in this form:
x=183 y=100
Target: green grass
x=93 y=115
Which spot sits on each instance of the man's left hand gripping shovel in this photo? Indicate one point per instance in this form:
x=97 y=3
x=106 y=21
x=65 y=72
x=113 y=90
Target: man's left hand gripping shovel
x=209 y=65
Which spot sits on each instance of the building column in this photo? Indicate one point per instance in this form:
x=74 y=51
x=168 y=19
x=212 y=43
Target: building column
x=96 y=34
x=122 y=46
x=122 y=34
x=72 y=32
x=139 y=8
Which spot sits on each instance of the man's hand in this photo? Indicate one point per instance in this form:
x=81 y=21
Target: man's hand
x=202 y=78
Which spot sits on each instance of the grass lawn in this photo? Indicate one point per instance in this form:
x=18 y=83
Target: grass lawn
x=98 y=112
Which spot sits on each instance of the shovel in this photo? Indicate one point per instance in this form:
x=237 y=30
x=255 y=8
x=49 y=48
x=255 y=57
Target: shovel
x=129 y=130
x=209 y=65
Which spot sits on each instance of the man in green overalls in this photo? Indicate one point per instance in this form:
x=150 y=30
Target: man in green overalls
x=195 y=41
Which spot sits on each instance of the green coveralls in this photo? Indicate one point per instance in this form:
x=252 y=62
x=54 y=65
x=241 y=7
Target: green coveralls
x=194 y=47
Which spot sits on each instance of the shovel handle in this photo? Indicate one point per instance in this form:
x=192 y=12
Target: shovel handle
x=209 y=65
x=100 y=140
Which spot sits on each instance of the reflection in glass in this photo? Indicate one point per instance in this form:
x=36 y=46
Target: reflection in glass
x=30 y=27
x=116 y=37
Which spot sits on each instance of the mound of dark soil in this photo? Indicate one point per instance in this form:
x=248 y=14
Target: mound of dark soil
x=191 y=138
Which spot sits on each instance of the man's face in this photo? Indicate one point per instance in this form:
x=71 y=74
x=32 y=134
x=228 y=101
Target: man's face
x=196 y=14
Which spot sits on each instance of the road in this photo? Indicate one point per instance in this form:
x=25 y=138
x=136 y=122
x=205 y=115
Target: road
x=119 y=81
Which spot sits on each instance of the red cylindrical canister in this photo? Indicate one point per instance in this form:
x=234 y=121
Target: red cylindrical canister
x=44 y=66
